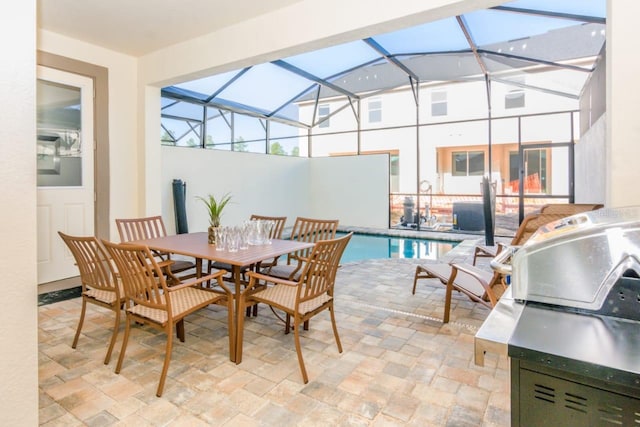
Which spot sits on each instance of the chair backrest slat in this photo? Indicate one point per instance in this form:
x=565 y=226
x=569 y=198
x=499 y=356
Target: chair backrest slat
x=319 y=274
x=140 y=228
x=143 y=280
x=278 y=224
x=311 y=231
x=96 y=269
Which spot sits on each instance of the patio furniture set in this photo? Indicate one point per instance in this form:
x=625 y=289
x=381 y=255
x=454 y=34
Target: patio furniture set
x=138 y=276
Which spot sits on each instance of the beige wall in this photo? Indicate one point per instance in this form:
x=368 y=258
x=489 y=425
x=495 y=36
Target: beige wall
x=18 y=317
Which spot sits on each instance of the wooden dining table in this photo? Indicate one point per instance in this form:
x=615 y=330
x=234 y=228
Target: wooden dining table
x=196 y=245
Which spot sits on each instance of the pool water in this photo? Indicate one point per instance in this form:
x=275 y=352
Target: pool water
x=366 y=246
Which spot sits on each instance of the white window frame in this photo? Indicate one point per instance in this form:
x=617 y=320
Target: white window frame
x=514 y=98
x=439 y=106
x=323 y=111
x=375 y=109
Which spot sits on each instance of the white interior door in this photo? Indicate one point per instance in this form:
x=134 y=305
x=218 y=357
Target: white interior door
x=65 y=168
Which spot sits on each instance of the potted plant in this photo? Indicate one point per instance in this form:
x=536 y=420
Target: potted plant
x=214 y=208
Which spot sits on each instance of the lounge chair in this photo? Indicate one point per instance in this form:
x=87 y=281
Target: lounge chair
x=569 y=209
x=479 y=285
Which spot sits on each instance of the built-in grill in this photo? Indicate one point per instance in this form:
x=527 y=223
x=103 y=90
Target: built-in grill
x=575 y=350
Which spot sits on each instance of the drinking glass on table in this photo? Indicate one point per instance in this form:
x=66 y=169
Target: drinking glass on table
x=221 y=238
x=233 y=239
x=268 y=227
x=244 y=235
x=254 y=232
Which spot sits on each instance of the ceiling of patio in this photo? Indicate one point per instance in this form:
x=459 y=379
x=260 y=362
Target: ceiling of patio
x=544 y=45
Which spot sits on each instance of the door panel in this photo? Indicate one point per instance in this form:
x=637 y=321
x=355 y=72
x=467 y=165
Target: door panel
x=65 y=168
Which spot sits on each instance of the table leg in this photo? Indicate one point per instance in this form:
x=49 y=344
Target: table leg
x=235 y=272
x=198 y=268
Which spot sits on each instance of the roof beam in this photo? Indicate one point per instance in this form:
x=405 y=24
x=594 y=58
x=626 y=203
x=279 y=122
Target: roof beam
x=293 y=99
x=333 y=113
x=169 y=105
x=227 y=84
x=569 y=16
x=309 y=76
x=472 y=43
x=537 y=61
x=474 y=48
x=233 y=107
x=390 y=58
x=180 y=118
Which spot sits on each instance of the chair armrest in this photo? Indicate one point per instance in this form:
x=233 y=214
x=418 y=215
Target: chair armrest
x=217 y=275
x=254 y=277
x=165 y=263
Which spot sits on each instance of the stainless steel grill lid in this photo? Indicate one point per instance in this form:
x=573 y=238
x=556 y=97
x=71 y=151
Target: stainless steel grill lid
x=575 y=262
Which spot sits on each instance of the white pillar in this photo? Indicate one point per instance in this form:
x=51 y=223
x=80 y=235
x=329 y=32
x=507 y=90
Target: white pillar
x=623 y=94
x=18 y=252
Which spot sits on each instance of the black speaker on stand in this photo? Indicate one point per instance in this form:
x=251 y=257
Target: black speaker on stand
x=489 y=210
x=179 y=196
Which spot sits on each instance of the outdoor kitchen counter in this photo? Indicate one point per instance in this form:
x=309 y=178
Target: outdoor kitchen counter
x=602 y=347
x=493 y=336
x=574 y=369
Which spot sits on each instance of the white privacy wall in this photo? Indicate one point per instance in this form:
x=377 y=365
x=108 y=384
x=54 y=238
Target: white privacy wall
x=260 y=184
x=352 y=189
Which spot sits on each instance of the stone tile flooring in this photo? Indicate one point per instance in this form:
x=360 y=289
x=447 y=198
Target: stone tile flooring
x=400 y=365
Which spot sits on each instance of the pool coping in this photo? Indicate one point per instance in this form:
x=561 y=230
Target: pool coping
x=414 y=234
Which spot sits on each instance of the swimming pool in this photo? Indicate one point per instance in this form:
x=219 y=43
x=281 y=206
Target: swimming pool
x=368 y=246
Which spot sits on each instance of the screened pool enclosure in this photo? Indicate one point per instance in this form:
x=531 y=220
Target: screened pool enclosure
x=495 y=93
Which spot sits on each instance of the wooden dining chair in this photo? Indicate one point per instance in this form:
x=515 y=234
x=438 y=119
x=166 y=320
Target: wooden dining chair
x=311 y=294
x=100 y=285
x=304 y=230
x=151 y=227
x=308 y=230
x=150 y=301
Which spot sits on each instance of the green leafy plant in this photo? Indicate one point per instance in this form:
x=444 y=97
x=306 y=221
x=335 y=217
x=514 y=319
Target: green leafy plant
x=215 y=207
